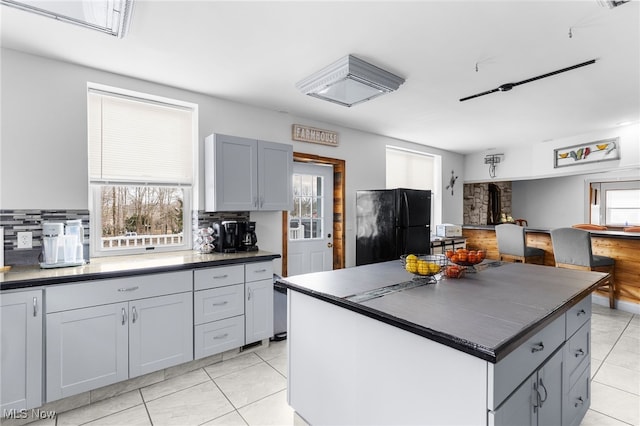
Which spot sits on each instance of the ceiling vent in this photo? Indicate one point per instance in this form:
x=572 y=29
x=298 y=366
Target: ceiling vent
x=349 y=81
x=108 y=16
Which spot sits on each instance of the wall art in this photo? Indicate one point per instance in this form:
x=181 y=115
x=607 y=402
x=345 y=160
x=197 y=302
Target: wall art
x=592 y=152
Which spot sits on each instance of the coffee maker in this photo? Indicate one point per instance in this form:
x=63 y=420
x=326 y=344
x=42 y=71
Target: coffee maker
x=226 y=237
x=248 y=238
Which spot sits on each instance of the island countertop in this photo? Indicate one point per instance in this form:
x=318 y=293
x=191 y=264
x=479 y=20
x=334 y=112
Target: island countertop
x=486 y=314
x=123 y=266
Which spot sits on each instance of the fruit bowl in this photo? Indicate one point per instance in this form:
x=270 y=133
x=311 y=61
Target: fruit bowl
x=466 y=257
x=424 y=265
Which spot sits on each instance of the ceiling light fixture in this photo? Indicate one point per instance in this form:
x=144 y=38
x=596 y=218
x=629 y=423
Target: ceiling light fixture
x=349 y=81
x=612 y=3
x=108 y=16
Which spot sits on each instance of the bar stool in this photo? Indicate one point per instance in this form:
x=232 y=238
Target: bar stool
x=572 y=250
x=512 y=245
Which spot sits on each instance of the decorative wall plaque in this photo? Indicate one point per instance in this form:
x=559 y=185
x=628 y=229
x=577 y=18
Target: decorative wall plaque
x=593 y=152
x=313 y=135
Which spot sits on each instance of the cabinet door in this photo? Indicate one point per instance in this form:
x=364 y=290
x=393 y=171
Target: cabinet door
x=518 y=408
x=258 y=310
x=231 y=167
x=275 y=169
x=550 y=390
x=86 y=349
x=21 y=346
x=160 y=333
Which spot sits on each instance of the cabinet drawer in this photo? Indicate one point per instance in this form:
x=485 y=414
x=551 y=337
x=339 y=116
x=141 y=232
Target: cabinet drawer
x=519 y=364
x=218 y=277
x=577 y=400
x=218 y=336
x=578 y=315
x=259 y=271
x=218 y=303
x=101 y=292
x=578 y=351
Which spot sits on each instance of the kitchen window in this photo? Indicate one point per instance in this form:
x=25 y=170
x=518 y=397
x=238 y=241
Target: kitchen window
x=141 y=171
x=615 y=204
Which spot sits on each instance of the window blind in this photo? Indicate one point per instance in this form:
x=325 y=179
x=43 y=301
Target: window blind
x=408 y=169
x=131 y=140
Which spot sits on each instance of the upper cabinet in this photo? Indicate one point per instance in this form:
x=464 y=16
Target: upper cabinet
x=246 y=174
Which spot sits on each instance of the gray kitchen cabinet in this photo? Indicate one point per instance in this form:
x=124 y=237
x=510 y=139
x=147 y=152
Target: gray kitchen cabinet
x=244 y=174
x=258 y=301
x=99 y=333
x=21 y=358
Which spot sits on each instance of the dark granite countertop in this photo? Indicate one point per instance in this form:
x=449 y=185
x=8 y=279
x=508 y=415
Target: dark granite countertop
x=486 y=314
x=125 y=266
x=611 y=234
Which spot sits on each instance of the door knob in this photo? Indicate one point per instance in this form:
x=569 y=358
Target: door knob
x=329 y=245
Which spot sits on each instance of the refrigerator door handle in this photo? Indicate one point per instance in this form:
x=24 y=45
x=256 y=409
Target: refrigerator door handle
x=405 y=200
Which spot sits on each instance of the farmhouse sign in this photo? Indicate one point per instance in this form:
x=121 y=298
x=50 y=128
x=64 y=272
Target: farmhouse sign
x=313 y=135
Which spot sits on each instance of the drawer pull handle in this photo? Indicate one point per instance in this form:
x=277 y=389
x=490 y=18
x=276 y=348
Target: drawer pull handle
x=542 y=400
x=35 y=306
x=537 y=348
x=579 y=352
x=128 y=289
x=257 y=271
x=124 y=316
x=135 y=315
x=221 y=336
x=219 y=303
x=579 y=402
x=217 y=277
x=581 y=312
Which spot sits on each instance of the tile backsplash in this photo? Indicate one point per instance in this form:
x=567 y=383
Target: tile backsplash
x=14 y=221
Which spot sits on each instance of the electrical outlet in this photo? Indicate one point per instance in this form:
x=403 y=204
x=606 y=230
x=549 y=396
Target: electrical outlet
x=25 y=240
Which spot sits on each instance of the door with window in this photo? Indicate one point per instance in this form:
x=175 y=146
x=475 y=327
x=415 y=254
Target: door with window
x=310 y=224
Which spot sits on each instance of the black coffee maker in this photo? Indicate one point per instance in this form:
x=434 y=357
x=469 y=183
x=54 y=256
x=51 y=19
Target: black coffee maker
x=226 y=236
x=248 y=238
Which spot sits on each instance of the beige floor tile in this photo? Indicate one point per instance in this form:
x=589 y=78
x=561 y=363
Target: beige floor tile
x=619 y=378
x=593 y=418
x=615 y=403
x=100 y=409
x=231 y=419
x=234 y=364
x=192 y=406
x=272 y=410
x=274 y=350
x=251 y=384
x=280 y=363
x=134 y=416
x=174 y=384
x=622 y=357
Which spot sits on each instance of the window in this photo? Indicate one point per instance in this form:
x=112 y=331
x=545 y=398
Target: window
x=305 y=220
x=615 y=204
x=141 y=168
x=416 y=170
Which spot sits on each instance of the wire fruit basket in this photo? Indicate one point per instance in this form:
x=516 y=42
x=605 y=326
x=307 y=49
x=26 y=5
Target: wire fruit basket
x=467 y=258
x=424 y=266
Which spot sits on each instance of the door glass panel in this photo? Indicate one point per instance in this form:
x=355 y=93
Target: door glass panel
x=305 y=219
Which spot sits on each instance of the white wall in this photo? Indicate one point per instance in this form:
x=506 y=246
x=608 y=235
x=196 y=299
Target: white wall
x=44 y=141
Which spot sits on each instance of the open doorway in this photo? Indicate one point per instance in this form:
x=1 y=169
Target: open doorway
x=338 y=234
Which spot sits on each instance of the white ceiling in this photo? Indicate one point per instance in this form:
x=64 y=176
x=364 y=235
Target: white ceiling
x=255 y=52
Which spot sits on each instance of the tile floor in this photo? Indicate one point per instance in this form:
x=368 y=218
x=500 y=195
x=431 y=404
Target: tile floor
x=251 y=389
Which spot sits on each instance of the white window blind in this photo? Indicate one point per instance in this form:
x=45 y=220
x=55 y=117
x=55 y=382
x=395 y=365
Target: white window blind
x=133 y=140
x=408 y=169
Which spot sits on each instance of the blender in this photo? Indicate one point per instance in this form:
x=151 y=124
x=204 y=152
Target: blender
x=51 y=233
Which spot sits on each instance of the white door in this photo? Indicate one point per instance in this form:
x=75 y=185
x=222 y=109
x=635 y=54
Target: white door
x=310 y=232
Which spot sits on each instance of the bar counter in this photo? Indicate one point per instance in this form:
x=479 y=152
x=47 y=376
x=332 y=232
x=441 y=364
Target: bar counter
x=624 y=247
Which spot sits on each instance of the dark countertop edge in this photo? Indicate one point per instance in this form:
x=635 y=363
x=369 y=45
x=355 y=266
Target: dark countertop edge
x=493 y=355
x=38 y=282
x=606 y=234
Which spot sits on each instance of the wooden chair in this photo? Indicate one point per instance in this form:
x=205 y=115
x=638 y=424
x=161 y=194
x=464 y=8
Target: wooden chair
x=589 y=227
x=572 y=250
x=512 y=245
x=632 y=229
x=522 y=222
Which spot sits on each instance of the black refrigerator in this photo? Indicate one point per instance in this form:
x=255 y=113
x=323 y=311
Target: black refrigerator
x=390 y=223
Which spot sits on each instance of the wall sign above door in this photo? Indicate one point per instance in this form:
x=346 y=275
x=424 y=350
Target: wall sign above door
x=313 y=135
x=593 y=152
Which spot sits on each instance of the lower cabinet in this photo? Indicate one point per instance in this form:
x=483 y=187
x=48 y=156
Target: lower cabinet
x=258 y=301
x=538 y=401
x=95 y=346
x=21 y=345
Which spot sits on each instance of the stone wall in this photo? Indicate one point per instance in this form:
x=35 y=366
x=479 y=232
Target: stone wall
x=476 y=202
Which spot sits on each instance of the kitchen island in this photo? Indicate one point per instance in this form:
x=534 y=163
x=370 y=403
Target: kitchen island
x=506 y=345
